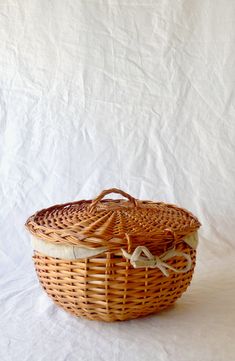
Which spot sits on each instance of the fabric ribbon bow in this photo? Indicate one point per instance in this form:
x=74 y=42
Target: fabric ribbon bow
x=152 y=261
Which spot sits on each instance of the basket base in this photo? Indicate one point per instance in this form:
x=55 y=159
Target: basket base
x=115 y=318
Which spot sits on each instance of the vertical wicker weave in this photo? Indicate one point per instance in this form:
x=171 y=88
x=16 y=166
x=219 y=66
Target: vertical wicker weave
x=106 y=286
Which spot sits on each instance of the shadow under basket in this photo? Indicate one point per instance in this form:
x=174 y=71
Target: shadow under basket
x=114 y=259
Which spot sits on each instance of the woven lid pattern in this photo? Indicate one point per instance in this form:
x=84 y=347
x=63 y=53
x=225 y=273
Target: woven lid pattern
x=111 y=223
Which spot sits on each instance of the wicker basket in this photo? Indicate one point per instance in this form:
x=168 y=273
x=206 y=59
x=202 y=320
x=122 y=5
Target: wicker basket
x=114 y=259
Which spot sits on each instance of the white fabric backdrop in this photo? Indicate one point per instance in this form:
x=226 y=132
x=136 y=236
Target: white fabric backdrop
x=137 y=95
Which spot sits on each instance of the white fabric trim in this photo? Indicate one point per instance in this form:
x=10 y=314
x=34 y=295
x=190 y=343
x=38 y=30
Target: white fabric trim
x=64 y=251
x=79 y=252
x=192 y=240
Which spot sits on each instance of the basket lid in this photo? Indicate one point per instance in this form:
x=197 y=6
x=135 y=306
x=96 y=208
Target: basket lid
x=112 y=223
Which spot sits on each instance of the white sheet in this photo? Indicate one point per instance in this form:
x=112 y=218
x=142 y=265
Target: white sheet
x=137 y=95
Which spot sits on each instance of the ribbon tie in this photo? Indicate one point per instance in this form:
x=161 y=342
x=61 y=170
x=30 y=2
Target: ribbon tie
x=152 y=261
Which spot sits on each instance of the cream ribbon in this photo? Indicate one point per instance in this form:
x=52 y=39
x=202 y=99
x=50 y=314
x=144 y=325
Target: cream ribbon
x=138 y=261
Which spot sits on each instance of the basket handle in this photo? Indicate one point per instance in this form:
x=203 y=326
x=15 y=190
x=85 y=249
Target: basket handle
x=112 y=190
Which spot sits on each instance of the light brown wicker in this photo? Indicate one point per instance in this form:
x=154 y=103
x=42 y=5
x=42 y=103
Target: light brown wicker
x=107 y=286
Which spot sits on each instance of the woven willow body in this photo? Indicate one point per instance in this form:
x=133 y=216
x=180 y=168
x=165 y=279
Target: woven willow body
x=106 y=286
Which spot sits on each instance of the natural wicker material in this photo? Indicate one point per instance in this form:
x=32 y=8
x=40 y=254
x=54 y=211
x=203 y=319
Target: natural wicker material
x=107 y=287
